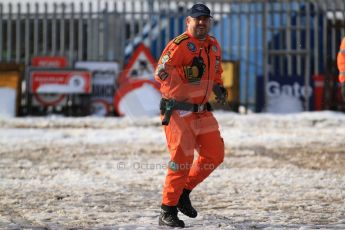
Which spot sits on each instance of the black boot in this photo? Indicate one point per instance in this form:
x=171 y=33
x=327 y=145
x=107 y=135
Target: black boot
x=185 y=206
x=169 y=217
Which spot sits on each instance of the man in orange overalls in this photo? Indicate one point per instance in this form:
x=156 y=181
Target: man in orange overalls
x=188 y=71
x=341 y=67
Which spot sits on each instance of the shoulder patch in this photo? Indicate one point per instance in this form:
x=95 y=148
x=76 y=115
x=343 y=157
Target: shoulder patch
x=180 y=38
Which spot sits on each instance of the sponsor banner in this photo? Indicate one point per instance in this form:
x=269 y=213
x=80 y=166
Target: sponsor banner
x=60 y=82
x=285 y=94
x=49 y=62
x=104 y=75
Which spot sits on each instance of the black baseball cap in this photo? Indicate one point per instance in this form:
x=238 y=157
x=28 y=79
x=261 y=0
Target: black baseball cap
x=198 y=10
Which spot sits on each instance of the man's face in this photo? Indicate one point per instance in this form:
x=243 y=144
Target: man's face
x=198 y=27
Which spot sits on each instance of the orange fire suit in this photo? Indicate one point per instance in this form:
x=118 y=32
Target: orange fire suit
x=341 y=61
x=189 y=131
x=341 y=67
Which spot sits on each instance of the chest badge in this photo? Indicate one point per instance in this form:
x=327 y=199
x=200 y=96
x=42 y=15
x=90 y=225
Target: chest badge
x=191 y=46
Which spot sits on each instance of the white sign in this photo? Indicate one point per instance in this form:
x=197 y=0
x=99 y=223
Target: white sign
x=8 y=102
x=104 y=75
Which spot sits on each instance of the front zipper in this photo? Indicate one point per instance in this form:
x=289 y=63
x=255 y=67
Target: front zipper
x=208 y=72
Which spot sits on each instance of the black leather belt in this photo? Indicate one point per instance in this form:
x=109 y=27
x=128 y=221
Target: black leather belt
x=178 y=105
x=167 y=106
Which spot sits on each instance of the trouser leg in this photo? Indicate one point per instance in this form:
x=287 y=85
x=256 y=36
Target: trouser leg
x=210 y=146
x=181 y=143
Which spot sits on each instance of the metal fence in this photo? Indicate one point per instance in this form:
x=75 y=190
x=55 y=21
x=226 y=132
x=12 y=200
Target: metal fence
x=282 y=37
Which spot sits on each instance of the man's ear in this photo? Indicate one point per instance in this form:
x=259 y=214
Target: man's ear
x=187 y=20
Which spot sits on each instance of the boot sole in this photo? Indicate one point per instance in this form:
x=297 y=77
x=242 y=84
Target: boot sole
x=161 y=223
x=184 y=213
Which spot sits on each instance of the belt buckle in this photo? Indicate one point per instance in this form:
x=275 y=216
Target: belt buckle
x=200 y=108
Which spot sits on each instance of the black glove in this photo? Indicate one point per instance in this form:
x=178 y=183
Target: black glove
x=196 y=70
x=221 y=93
x=343 y=90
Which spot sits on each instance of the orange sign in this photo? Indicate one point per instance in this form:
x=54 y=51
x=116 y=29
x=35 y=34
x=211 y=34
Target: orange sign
x=9 y=79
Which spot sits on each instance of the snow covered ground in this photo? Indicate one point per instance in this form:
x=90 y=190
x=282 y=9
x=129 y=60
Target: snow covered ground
x=280 y=172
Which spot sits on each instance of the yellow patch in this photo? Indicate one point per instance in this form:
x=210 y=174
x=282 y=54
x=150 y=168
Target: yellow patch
x=180 y=38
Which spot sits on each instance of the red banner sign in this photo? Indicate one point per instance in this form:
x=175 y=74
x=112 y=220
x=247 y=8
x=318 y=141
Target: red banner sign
x=50 y=62
x=60 y=82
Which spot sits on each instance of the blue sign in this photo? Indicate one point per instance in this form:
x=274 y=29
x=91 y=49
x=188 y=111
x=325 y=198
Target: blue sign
x=285 y=94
